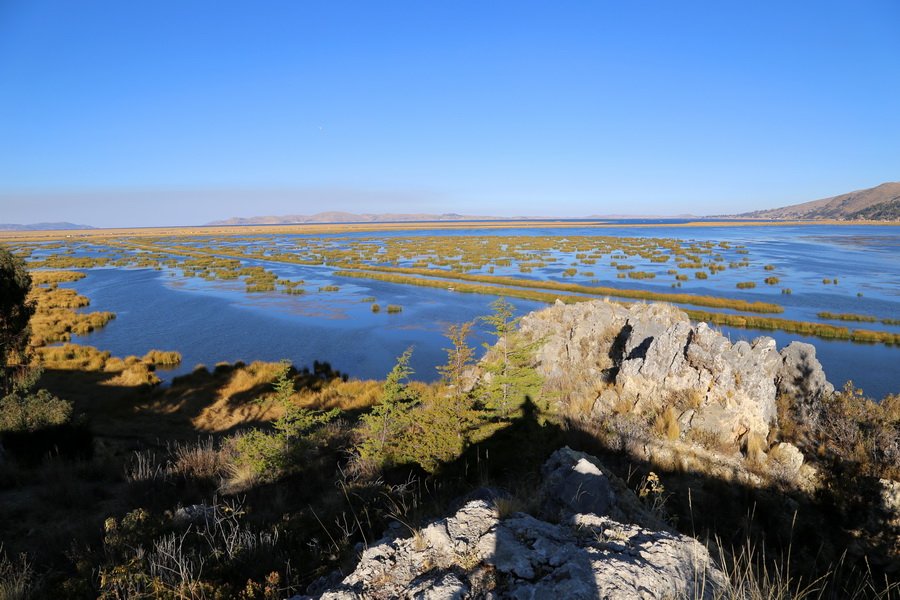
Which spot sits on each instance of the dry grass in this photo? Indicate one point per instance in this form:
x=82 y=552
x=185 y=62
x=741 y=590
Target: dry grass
x=250 y=377
x=165 y=358
x=139 y=374
x=16 y=577
x=666 y=424
x=71 y=357
x=751 y=575
x=198 y=460
x=755 y=448
x=345 y=395
x=42 y=278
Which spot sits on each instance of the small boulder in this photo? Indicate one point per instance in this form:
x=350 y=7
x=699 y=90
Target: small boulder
x=573 y=484
x=193 y=513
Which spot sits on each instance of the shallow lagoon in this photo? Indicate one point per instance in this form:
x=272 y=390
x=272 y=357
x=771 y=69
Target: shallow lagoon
x=217 y=321
x=212 y=322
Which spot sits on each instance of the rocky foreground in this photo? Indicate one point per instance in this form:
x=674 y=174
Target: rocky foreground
x=714 y=409
x=594 y=539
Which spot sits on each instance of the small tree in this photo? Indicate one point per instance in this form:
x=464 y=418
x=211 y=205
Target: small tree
x=271 y=454
x=388 y=420
x=511 y=376
x=442 y=425
x=459 y=358
x=15 y=312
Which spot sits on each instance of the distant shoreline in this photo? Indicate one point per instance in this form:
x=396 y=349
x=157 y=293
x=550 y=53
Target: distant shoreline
x=329 y=228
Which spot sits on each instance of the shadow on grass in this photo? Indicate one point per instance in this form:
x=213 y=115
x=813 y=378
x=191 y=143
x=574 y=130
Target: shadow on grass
x=838 y=539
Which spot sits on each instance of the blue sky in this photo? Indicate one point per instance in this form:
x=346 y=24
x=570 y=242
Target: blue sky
x=150 y=113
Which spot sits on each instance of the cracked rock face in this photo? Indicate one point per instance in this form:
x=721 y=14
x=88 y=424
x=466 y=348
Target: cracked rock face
x=477 y=554
x=801 y=378
x=650 y=356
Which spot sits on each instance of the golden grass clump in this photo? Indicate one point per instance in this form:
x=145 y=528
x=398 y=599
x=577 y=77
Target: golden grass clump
x=71 y=357
x=162 y=358
x=345 y=395
x=256 y=375
x=57 y=297
x=199 y=460
x=40 y=278
x=138 y=374
x=666 y=425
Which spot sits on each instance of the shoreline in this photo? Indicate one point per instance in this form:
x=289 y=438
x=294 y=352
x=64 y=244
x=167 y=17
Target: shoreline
x=330 y=228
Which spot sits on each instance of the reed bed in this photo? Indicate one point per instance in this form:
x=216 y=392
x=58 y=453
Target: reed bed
x=690 y=299
x=821 y=330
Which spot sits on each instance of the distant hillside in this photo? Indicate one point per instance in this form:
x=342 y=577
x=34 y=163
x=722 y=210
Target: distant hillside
x=880 y=203
x=345 y=217
x=41 y=226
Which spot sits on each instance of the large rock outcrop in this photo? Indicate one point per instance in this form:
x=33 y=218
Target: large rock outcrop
x=649 y=357
x=599 y=543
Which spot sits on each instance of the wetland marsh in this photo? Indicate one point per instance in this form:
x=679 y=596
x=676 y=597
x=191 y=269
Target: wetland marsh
x=357 y=299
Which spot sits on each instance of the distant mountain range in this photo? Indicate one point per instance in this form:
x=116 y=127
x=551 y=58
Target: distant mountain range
x=41 y=226
x=346 y=217
x=880 y=203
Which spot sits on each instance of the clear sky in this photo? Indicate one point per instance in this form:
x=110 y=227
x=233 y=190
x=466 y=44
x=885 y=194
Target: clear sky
x=128 y=113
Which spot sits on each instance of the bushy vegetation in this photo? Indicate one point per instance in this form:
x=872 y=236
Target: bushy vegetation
x=15 y=311
x=24 y=409
x=858 y=436
x=271 y=454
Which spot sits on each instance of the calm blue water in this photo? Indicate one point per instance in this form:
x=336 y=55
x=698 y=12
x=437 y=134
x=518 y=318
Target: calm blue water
x=211 y=322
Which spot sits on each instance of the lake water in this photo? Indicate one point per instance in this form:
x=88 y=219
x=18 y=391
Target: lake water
x=209 y=322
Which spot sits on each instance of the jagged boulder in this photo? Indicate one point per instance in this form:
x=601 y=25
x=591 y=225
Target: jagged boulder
x=477 y=553
x=579 y=334
x=649 y=357
x=801 y=378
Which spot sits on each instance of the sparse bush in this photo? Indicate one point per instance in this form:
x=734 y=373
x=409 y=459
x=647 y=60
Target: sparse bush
x=17 y=577
x=200 y=460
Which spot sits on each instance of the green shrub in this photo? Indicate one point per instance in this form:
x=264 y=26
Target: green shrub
x=383 y=428
x=27 y=411
x=269 y=455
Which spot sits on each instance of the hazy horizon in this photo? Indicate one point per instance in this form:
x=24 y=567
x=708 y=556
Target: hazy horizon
x=117 y=114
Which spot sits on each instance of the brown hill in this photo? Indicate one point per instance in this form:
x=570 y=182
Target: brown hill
x=880 y=203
